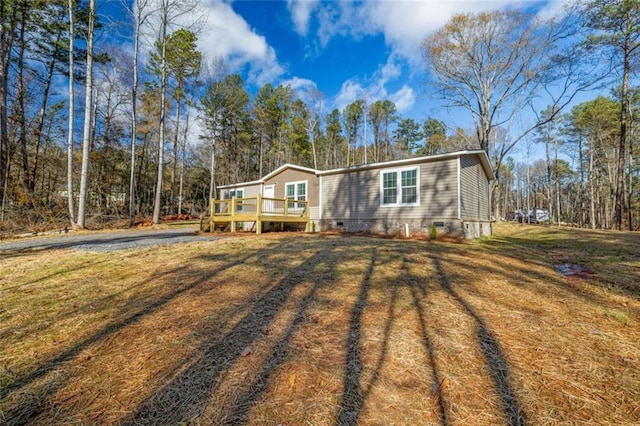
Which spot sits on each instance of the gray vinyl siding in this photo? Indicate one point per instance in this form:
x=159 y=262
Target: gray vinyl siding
x=439 y=188
x=290 y=175
x=356 y=194
x=249 y=190
x=474 y=189
x=352 y=195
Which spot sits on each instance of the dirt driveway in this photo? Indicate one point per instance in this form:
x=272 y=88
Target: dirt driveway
x=107 y=241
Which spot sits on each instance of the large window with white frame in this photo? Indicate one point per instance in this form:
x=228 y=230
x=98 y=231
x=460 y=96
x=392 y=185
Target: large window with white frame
x=236 y=193
x=296 y=191
x=399 y=187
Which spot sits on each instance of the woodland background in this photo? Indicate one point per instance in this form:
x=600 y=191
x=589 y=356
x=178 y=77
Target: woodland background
x=93 y=134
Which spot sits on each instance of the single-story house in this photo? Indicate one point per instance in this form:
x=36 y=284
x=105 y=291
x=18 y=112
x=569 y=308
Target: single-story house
x=450 y=192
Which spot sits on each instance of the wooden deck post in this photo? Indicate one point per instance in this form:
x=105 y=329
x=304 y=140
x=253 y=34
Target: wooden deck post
x=258 y=214
x=307 y=215
x=212 y=216
x=233 y=213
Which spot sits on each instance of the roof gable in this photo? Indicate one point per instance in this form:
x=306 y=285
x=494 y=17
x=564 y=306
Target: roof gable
x=288 y=166
x=269 y=176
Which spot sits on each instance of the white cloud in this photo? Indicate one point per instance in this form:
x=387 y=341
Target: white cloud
x=404 y=23
x=391 y=70
x=350 y=91
x=307 y=91
x=301 y=14
x=227 y=35
x=339 y=18
x=405 y=99
x=554 y=9
x=376 y=89
x=301 y=84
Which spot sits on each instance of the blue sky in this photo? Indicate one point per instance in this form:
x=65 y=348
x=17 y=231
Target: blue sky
x=346 y=50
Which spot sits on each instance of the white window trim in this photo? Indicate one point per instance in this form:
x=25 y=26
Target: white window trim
x=235 y=191
x=398 y=173
x=239 y=208
x=295 y=192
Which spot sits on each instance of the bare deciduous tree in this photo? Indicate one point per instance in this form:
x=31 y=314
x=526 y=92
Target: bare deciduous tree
x=71 y=121
x=495 y=64
x=140 y=12
x=86 y=137
x=168 y=14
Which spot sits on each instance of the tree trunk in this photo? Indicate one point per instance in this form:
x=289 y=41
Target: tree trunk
x=592 y=192
x=212 y=172
x=260 y=153
x=624 y=105
x=581 y=217
x=549 y=183
x=71 y=122
x=86 y=137
x=157 y=204
x=8 y=13
x=43 y=109
x=182 y=155
x=630 y=187
x=313 y=148
x=528 y=190
x=134 y=117
x=557 y=182
x=20 y=113
x=174 y=166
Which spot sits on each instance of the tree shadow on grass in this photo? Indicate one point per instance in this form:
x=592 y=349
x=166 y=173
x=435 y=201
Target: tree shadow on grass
x=418 y=290
x=188 y=394
x=22 y=414
x=496 y=362
x=322 y=276
x=355 y=392
x=354 y=395
x=583 y=244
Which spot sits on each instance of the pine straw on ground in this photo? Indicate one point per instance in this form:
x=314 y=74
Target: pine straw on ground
x=323 y=329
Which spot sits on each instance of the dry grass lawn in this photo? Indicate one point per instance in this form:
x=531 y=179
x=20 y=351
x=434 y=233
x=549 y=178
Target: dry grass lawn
x=284 y=329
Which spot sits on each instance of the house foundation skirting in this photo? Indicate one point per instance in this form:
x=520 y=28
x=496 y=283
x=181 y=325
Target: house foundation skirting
x=399 y=226
x=476 y=229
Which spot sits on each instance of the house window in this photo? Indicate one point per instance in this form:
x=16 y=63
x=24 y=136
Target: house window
x=237 y=193
x=399 y=187
x=389 y=188
x=409 y=188
x=296 y=191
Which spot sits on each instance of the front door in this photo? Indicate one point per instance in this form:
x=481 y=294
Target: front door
x=268 y=206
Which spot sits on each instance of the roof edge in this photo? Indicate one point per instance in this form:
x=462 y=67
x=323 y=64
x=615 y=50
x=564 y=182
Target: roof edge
x=482 y=155
x=239 y=184
x=484 y=159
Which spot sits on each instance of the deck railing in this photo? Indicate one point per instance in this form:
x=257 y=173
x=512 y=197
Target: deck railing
x=258 y=209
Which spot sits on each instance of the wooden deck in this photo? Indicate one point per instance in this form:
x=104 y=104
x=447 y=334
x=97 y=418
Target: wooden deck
x=229 y=213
